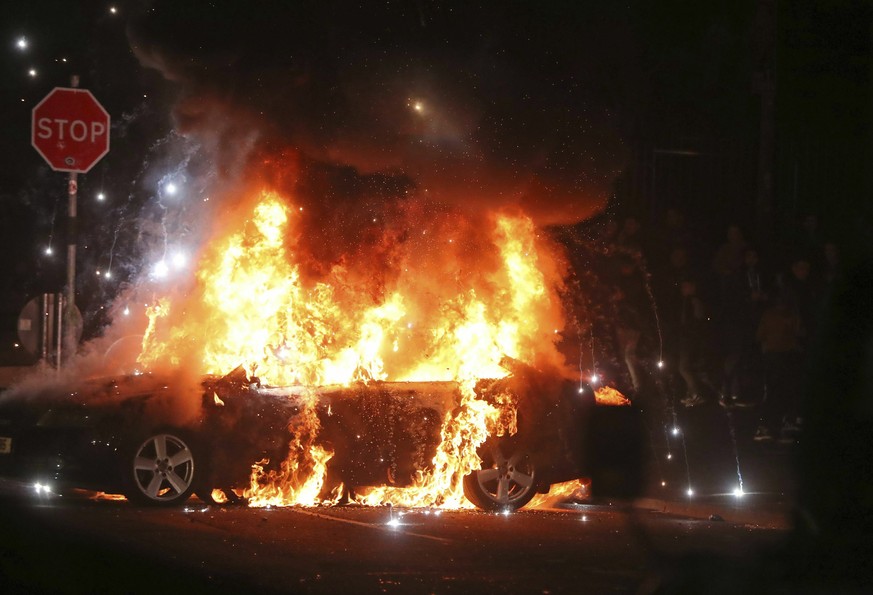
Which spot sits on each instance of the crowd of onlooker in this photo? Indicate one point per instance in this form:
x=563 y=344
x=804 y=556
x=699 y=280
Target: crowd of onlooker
x=732 y=322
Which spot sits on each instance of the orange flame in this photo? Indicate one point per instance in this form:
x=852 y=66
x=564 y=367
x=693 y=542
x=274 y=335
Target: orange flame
x=457 y=299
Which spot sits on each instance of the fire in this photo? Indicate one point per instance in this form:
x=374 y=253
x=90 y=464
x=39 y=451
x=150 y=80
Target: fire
x=607 y=395
x=577 y=489
x=456 y=299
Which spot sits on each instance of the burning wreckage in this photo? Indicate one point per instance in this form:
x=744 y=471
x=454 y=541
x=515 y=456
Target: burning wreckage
x=371 y=443
x=378 y=384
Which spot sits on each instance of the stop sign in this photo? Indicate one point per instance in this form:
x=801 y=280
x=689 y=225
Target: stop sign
x=70 y=129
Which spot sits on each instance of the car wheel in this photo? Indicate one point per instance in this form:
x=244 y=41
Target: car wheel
x=507 y=480
x=161 y=470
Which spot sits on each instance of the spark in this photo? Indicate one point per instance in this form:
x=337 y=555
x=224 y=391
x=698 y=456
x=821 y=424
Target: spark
x=179 y=260
x=32 y=72
x=594 y=378
x=675 y=430
x=661 y=363
x=584 y=518
x=126 y=312
x=160 y=269
x=663 y=484
x=49 y=251
x=669 y=455
x=16 y=345
x=393 y=523
x=21 y=43
x=171 y=189
x=108 y=274
x=113 y=10
x=101 y=196
x=739 y=493
x=418 y=106
x=690 y=492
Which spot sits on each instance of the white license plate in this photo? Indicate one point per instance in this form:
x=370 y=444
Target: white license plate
x=5 y=445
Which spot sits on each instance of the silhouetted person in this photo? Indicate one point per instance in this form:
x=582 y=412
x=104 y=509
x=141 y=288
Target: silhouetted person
x=779 y=333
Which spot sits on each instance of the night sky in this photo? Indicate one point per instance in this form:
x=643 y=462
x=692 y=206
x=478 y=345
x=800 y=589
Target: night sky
x=537 y=104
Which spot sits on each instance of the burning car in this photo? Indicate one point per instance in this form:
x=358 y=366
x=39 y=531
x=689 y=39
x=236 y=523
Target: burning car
x=372 y=443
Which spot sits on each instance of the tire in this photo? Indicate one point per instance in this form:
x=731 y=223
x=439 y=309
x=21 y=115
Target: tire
x=507 y=480
x=161 y=470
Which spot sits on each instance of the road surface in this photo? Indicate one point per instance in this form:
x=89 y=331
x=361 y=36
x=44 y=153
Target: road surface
x=74 y=544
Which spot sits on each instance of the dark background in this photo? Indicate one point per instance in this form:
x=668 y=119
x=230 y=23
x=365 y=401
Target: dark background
x=635 y=108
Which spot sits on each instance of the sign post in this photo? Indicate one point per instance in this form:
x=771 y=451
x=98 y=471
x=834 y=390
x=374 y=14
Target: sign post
x=70 y=129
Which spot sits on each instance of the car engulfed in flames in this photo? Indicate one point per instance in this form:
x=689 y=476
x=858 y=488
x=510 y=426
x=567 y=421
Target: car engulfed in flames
x=374 y=443
x=417 y=366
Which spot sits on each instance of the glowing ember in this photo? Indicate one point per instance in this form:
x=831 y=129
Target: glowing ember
x=577 y=489
x=606 y=395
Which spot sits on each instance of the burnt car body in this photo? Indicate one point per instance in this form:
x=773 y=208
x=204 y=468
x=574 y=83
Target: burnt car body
x=125 y=436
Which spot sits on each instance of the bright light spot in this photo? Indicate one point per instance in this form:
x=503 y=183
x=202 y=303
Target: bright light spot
x=739 y=493
x=661 y=364
x=113 y=10
x=663 y=484
x=418 y=106
x=506 y=512
x=160 y=269
x=98 y=273
x=675 y=430
x=42 y=488
x=16 y=345
x=394 y=523
x=171 y=189
x=49 y=251
x=179 y=260
x=21 y=43
x=581 y=390
x=594 y=378
x=126 y=312
x=32 y=72
x=101 y=196
x=437 y=512
x=108 y=274
x=690 y=492
x=669 y=455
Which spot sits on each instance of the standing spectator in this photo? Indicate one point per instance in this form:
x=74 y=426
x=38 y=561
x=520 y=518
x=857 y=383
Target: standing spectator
x=779 y=333
x=690 y=342
x=729 y=257
x=630 y=238
x=808 y=243
x=804 y=295
x=747 y=297
x=632 y=306
x=832 y=272
x=728 y=266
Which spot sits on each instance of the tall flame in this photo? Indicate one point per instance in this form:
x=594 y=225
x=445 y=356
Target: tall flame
x=458 y=298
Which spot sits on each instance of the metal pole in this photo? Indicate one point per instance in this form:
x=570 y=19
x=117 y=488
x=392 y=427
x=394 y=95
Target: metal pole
x=46 y=317
x=61 y=327
x=72 y=232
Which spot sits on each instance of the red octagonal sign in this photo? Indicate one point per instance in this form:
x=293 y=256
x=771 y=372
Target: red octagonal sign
x=70 y=129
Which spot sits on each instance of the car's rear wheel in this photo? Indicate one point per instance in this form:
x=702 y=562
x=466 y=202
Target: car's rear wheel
x=161 y=469
x=507 y=480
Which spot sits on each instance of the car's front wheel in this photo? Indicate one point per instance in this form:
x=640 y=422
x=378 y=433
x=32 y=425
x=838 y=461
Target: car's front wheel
x=507 y=480
x=161 y=469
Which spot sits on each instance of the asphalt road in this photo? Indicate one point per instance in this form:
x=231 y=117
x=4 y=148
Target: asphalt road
x=77 y=545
